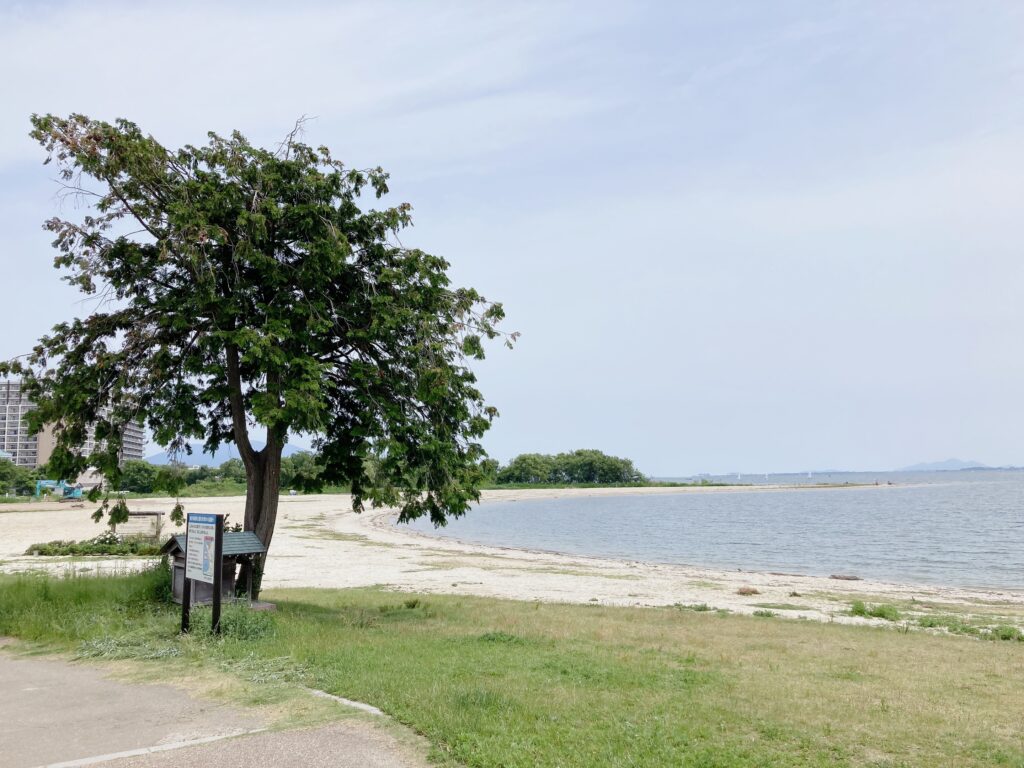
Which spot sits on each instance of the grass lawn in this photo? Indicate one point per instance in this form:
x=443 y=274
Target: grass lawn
x=505 y=683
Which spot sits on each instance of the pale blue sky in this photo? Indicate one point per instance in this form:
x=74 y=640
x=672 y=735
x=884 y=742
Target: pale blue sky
x=735 y=236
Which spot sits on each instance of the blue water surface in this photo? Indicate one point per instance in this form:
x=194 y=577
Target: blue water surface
x=948 y=528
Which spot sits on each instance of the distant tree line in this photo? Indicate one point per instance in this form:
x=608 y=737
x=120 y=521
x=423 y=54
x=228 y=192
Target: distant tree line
x=301 y=471
x=577 y=467
x=297 y=471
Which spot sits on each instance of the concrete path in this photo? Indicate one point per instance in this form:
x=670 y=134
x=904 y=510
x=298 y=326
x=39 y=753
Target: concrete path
x=53 y=713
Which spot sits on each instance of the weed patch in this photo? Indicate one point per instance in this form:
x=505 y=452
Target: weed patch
x=880 y=611
x=697 y=607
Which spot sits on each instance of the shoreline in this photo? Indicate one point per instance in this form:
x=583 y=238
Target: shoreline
x=321 y=543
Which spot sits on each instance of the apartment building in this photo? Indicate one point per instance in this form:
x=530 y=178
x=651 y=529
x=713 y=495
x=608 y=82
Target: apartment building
x=31 y=451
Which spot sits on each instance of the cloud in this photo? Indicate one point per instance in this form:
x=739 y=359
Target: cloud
x=463 y=79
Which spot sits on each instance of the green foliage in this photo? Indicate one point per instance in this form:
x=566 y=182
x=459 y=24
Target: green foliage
x=232 y=470
x=953 y=624
x=15 y=479
x=107 y=543
x=881 y=611
x=170 y=479
x=301 y=470
x=1006 y=632
x=253 y=289
x=138 y=477
x=577 y=467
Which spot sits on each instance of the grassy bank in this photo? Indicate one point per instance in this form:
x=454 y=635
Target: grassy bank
x=504 y=683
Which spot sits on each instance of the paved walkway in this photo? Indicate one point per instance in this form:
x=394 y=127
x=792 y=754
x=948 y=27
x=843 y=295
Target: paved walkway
x=53 y=713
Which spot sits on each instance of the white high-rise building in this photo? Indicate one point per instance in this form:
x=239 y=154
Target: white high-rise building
x=32 y=451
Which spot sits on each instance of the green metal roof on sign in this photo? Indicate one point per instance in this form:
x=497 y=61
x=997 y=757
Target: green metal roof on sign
x=235 y=543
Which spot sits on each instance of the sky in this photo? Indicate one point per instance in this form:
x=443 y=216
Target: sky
x=735 y=236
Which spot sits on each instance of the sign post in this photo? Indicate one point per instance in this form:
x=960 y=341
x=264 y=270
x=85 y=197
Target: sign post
x=204 y=561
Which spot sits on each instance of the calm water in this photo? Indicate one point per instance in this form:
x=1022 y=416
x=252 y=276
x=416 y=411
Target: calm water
x=948 y=528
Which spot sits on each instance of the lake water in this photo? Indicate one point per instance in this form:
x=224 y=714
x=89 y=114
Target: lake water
x=945 y=528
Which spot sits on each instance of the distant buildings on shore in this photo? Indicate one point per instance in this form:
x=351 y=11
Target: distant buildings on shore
x=27 y=450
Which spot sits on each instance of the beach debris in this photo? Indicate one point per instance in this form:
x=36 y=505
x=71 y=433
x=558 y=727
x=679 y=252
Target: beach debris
x=748 y=591
x=845 y=577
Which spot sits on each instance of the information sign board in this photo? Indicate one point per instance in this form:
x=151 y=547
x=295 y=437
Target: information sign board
x=200 y=539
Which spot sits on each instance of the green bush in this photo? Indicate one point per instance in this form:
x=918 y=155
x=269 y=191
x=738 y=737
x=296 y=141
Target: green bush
x=1006 y=632
x=881 y=611
x=108 y=543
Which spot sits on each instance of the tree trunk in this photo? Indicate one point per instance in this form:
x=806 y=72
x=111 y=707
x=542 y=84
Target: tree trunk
x=263 y=478
x=262 y=474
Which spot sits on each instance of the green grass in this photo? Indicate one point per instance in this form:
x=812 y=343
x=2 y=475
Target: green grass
x=880 y=611
x=781 y=606
x=503 y=683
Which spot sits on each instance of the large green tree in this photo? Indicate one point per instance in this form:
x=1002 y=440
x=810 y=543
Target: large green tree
x=15 y=479
x=243 y=289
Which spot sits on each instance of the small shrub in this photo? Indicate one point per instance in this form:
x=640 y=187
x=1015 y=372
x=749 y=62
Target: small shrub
x=159 y=582
x=886 y=611
x=881 y=611
x=240 y=622
x=748 y=591
x=500 y=637
x=698 y=607
x=952 y=624
x=1006 y=632
x=108 y=543
x=765 y=614
x=407 y=605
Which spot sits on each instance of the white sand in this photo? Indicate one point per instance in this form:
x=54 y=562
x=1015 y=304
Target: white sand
x=320 y=542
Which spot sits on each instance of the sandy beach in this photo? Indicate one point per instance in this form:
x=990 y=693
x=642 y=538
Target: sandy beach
x=320 y=542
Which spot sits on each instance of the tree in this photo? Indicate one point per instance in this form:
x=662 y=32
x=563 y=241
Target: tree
x=243 y=289
x=582 y=466
x=233 y=470
x=200 y=474
x=15 y=479
x=300 y=470
x=529 y=468
x=592 y=466
x=138 y=476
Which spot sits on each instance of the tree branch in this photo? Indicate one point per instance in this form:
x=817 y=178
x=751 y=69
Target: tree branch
x=239 y=428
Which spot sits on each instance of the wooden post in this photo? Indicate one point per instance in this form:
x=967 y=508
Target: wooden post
x=186 y=601
x=218 y=572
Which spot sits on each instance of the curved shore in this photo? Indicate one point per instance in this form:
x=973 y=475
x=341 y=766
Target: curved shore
x=321 y=543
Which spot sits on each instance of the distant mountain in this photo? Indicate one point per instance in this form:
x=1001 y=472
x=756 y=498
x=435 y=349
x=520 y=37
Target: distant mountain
x=944 y=466
x=199 y=459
